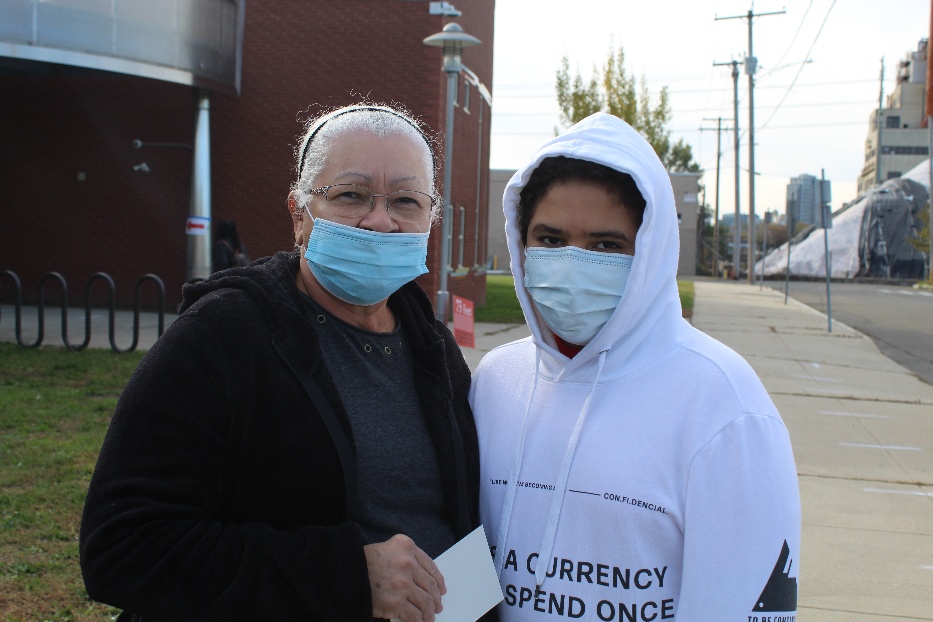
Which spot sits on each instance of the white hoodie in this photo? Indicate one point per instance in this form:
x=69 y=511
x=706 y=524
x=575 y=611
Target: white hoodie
x=651 y=473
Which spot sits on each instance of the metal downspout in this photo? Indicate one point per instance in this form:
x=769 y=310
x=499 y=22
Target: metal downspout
x=198 y=265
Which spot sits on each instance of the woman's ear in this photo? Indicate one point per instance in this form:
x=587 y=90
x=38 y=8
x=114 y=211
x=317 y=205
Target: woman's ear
x=293 y=208
x=295 y=212
x=302 y=221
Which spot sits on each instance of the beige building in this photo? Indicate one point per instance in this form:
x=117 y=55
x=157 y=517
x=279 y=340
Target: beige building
x=905 y=139
x=686 y=187
x=686 y=190
x=497 y=249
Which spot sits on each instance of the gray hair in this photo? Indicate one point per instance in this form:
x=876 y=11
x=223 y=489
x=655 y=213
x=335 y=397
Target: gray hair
x=321 y=132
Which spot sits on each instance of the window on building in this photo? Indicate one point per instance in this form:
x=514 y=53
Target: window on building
x=466 y=97
x=892 y=121
x=894 y=174
x=896 y=150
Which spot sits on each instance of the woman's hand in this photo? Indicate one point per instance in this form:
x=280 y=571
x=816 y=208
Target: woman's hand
x=405 y=582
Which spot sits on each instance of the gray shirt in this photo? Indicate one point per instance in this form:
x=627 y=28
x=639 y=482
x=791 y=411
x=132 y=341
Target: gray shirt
x=398 y=478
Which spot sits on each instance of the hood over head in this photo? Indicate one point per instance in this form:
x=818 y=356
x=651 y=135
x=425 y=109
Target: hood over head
x=651 y=293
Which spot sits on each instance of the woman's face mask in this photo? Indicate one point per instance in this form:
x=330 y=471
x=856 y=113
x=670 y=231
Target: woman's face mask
x=364 y=267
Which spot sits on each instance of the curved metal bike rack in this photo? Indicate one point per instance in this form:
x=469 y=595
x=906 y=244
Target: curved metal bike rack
x=18 y=309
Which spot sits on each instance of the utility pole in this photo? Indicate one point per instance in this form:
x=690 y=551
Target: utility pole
x=930 y=203
x=880 y=125
x=790 y=238
x=826 y=260
x=764 y=251
x=737 y=228
x=701 y=231
x=719 y=129
x=751 y=64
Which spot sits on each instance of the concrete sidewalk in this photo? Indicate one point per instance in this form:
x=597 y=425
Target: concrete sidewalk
x=862 y=431
x=75 y=327
x=861 y=425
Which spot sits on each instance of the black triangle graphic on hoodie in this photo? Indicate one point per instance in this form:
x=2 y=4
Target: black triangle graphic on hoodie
x=780 y=593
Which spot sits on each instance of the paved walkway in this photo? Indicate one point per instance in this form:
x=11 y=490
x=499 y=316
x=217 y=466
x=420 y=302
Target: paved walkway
x=862 y=431
x=75 y=330
x=861 y=425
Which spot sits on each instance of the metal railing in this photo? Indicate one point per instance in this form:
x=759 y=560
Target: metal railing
x=63 y=285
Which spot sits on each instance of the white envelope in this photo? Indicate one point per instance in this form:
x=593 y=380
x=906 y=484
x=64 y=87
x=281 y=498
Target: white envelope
x=470 y=575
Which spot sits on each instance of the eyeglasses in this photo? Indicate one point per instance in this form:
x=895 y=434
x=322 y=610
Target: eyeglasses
x=352 y=201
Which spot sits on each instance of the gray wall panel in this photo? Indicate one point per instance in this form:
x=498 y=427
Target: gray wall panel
x=196 y=41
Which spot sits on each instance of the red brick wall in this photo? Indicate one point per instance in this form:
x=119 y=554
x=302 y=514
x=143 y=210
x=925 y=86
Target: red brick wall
x=117 y=221
x=299 y=57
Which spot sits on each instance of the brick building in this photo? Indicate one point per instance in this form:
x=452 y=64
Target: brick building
x=75 y=198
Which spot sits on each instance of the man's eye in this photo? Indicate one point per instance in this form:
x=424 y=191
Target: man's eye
x=550 y=240
x=607 y=246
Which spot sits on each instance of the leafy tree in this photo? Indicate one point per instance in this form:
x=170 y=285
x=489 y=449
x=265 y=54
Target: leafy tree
x=577 y=101
x=618 y=94
x=680 y=159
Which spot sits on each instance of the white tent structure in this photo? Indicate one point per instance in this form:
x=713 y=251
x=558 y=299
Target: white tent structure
x=868 y=238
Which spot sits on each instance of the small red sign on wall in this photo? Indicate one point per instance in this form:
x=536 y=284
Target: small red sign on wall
x=463 y=322
x=198 y=225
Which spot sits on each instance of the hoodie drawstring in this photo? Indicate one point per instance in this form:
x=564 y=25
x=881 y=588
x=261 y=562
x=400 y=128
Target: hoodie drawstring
x=506 y=516
x=560 y=488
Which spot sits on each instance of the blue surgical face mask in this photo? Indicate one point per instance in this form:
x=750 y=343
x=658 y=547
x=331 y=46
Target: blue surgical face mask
x=364 y=267
x=575 y=290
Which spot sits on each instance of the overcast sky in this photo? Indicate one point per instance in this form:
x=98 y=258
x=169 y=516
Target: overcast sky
x=808 y=116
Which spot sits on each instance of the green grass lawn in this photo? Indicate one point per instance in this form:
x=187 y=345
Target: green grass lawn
x=685 y=289
x=501 y=302
x=55 y=406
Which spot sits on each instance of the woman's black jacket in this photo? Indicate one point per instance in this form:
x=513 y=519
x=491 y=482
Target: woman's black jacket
x=222 y=488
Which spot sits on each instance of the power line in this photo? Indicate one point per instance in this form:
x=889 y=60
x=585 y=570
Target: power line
x=681 y=111
x=500 y=95
x=550 y=131
x=799 y=71
x=793 y=39
x=808 y=125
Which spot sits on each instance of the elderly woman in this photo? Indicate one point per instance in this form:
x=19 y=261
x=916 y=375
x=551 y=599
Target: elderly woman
x=298 y=445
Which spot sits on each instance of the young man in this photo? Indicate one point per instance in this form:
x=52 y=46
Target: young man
x=632 y=468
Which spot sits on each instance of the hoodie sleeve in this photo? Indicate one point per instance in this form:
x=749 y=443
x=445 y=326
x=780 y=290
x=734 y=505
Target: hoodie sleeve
x=742 y=525
x=215 y=496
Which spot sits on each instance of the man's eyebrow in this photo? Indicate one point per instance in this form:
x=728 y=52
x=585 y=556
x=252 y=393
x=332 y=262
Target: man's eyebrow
x=543 y=228
x=608 y=233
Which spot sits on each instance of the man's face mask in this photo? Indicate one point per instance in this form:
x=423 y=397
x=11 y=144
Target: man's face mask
x=575 y=290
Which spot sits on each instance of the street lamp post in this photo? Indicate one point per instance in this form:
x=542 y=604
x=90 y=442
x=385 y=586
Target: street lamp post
x=452 y=39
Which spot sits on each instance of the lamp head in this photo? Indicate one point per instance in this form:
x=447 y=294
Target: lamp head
x=452 y=39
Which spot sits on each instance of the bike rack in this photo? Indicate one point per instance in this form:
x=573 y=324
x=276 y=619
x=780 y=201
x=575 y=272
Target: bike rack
x=18 y=309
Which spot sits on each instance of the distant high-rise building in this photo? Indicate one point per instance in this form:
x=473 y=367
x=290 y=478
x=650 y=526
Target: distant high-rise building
x=803 y=199
x=729 y=220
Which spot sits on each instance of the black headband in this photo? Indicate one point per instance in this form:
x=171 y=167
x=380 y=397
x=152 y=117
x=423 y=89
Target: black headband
x=321 y=122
